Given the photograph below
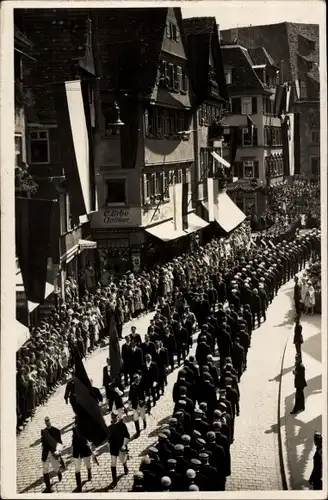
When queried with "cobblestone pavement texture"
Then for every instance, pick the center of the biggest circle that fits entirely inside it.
(297, 430)
(255, 457)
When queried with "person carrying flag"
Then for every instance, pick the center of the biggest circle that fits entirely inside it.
(118, 440)
(51, 446)
(81, 450)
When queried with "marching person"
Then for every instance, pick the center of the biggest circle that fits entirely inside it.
(51, 446)
(162, 361)
(107, 379)
(150, 378)
(118, 440)
(298, 337)
(316, 475)
(137, 402)
(70, 393)
(114, 394)
(81, 450)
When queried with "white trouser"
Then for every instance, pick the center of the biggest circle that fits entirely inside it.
(78, 461)
(140, 411)
(122, 457)
(55, 464)
(119, 411)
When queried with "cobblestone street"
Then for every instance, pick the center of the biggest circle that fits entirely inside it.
(256, 429)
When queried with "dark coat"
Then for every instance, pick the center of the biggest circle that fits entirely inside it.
(299, 377)
(161, 359)
(136, 362)
(298, 337)
(150, 375)
(117, 433)
(80, 446)
(106, 377)
(136, 394)
(97, 394)
(202, 351)
(211, 476)
(49, 442)
(148, 348)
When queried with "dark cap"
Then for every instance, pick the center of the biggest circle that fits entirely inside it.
(153, 449)
(210, 436)
(197, 434)
(171, 461)
(186, 438)
(162, 436)
(173, 421)
(203, 456)
(179, 448)
(196, 462)
(201, 442)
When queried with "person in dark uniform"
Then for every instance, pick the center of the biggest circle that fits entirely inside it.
(70, 394)
(264, 300)
(155, 467)
(162, 361)
(182, 464)
(176, 478)
(222, 440)
(316, 475)
(200, 479)
(202, 351)
(181, 338)
(136, 360)
(217, 459)
(118, 440)
(238, 358)
(188, 452)
(209, 472)
(126, 358)
(298, 337)
(51, 442)
(150, 378)
(81, 450)
(148, 347)
(137, 400)
(114, 395)
(299, 384)
(256, 307)
(170, 344)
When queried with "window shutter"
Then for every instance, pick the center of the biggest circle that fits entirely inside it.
(236, 105)
(177, 34)
(254, 105)
(170, 75)
(255, 136)
(256, 169)
(168, 29)
(146, 122)
(186, 82)
(179, 78)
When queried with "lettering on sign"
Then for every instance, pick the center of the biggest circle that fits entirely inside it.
(116, 216)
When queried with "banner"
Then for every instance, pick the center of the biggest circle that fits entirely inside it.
(178, 207)
(211, 201)
(172, 198)
(185, 192)
(33, 236)
(91, 421)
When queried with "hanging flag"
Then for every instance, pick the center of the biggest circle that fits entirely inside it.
(91, 421)
(173, 202)
(33, 238)
(114, 348)
(185, 191)
(250, 125)
(178, 207)
(210, 197)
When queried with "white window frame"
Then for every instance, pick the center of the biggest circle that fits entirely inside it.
(19, 136)
(179, 176)
(166, 184)
(118, 204)
(317, 132)
(246, 106)
(30, 140)
(248, 164)
(228, 76)
(146, 188)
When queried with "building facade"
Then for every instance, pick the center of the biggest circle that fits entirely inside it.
(144, 164)
(59, 78)
(295, 47)
(252, 79)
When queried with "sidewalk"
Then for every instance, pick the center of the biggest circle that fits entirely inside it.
(296, 431)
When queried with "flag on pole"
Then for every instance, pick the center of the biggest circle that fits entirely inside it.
(91, 421)
(114, 348)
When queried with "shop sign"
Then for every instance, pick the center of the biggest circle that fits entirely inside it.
(116, 217)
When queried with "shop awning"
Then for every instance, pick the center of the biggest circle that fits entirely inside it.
(87, 244)
(195, 223)
(228, 215)
(166, 231)
(22, 334)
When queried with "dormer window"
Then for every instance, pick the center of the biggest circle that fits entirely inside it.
(172, 31)
(228, 76)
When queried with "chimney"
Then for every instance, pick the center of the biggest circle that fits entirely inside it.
(281, 72)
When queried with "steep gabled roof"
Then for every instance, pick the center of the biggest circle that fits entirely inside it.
(130, 42)
(201, 38)
(283, 41)
(244, 76)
